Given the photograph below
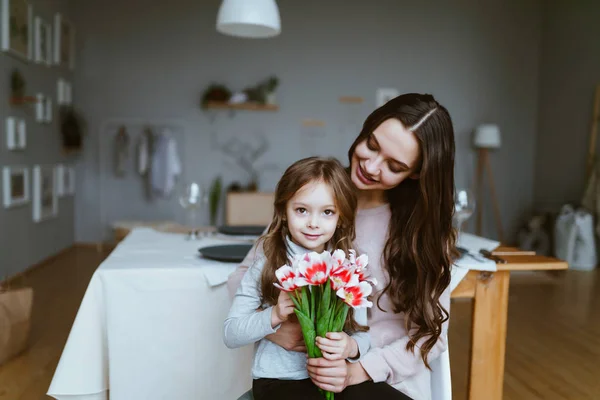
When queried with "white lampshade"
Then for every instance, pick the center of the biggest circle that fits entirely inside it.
(487, 136)
(249, 18)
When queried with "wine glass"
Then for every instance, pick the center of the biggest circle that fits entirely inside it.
(193, 198)
(464, 206)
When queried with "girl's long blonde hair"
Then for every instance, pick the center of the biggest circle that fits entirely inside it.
(299, 174)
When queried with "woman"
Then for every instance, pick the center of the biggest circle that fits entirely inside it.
(402, 165)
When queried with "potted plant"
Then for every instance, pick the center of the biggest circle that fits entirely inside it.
(270, 87)
(72, 128)
(215, 92)
(17, 84)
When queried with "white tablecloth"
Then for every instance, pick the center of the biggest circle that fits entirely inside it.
(150, 326)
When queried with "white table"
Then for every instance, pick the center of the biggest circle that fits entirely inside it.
(150, 326)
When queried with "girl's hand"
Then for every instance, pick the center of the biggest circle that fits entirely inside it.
(337, 346)
(282, 310)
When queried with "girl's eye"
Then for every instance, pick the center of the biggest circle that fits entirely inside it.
(329, 212)
(300, 210)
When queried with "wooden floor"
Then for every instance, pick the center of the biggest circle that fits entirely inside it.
(553, 340)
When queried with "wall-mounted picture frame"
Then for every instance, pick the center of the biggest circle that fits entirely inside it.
(65, 178)
(64, 92)
(43, 42)
(385, 95)
(70, 181)
(48, 110)
(16, 133)
(43, 109)
(64, 42)
(45, 200)
(16, 28)
(40, 108)
(15, 185)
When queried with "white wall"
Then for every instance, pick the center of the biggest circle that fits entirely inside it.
(152, 59)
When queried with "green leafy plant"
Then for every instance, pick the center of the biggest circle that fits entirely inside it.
(215, 92)
(72, 128)
(17, 84)
(271, 84)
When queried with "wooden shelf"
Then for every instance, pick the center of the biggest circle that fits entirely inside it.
(23, 100)
(242, 106)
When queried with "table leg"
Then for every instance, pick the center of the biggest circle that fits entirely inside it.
(488, 342)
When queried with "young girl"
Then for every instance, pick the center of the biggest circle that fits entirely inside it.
(314, 210)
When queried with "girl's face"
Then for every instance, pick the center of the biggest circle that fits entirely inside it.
(386, 158)
(312, 216)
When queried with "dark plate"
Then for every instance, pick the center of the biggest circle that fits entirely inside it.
(255, 230)
(226, 252)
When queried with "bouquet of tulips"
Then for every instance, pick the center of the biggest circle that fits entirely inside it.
(323, 287)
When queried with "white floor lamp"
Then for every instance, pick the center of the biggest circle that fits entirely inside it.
(487, 137)
(249, 18)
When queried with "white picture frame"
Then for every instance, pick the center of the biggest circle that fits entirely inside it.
(16, 133)
(45, 200)
(386, 94)
(15, 184)
(65, 180)
(60, 180)
(40, 108)
(70, 184)
(18, 41)
(43, 42)
(48, 110)
(64, 42)
(64, 92)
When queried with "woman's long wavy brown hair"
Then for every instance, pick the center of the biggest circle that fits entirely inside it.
(313, 169)
(421, 239)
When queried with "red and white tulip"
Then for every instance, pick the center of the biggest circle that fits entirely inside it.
(315, 267)
(289, 279)
(355, 293)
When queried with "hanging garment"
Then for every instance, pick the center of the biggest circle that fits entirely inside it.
(145, 152)
(121, 152)
(166, 165)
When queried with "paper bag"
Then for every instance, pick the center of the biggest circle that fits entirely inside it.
(15, 321)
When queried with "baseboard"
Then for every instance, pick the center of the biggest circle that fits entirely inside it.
(7, 281)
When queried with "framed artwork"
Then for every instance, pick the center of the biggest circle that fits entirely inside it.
(65, 180)
(385, 95)
(64, 92)
(48, 109)
(43, 42)
(45, 201)
(16, 133)
(64, 42)
(15, 182)
(43, 108)
(40, 108)
(16, 25)
(70, 181)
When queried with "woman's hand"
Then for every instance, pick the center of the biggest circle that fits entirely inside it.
(335, 375)
(337, 346)
(289, 336)
(330, 375)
